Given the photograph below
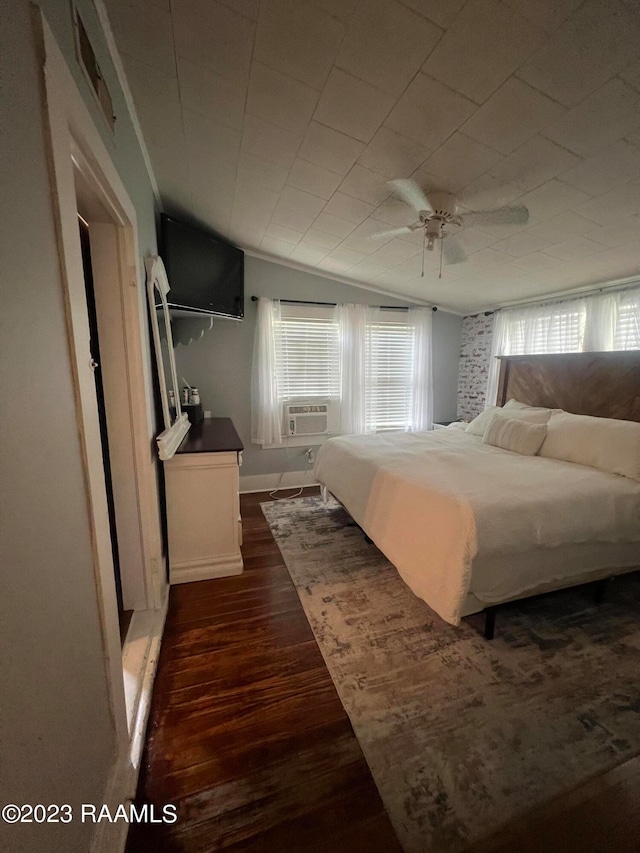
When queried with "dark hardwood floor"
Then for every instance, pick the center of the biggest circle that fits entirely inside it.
(247, 737)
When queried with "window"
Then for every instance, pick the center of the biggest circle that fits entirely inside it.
(627, 329)
(389, 374)
(554, 331)
(373, 367)
(307, 362)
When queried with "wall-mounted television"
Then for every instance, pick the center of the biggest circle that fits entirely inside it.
(206, 274)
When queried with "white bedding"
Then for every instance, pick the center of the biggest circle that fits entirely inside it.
(434, 501)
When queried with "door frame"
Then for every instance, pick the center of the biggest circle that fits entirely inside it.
(76, 148)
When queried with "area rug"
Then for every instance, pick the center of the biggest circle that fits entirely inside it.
(461, 734)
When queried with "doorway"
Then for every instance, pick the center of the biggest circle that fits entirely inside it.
(124, 616)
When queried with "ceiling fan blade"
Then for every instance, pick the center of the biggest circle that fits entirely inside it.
(412, 193)
(516, 215)
(452, 251)
(396, 232)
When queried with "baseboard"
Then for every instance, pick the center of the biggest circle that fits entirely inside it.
(186, 571)
(123, 780)
(269, 482)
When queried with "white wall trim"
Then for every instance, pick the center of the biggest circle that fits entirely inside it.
(140, 655)
(103, 17)
(269, 482)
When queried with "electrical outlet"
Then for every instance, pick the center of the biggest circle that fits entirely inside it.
(310, 455)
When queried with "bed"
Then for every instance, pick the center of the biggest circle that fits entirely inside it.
(469, 525)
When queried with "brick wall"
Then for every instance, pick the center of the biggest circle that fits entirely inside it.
(475, 355)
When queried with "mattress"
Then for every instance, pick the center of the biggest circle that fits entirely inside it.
(456, 516)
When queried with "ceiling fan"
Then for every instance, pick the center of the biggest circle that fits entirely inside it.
(439, 219)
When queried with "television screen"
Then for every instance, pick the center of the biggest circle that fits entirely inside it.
(205, 273)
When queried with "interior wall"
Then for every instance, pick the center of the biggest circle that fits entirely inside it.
(475, 357)
(58, 739)
(219, 364)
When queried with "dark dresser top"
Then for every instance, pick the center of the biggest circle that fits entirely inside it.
(212, 435)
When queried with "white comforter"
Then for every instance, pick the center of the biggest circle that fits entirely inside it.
(431, 501)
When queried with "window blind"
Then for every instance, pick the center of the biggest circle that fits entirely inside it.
(307, 355)
(627, 329)
(558, 331)
(389, 378)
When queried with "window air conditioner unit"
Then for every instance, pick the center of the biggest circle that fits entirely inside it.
(306, 419)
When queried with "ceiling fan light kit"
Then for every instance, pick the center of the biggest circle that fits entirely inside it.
(439, 218)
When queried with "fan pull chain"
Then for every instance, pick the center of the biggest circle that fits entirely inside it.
(424, 249)
(441, 247)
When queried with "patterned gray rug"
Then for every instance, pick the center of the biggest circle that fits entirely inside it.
(462, 734)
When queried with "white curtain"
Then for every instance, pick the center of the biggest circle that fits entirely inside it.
(421, 320)
(266, 417)
(597, 323)
(353, 323)
(600, 322)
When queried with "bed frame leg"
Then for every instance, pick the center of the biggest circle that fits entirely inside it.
(600, 589)
(489, 623)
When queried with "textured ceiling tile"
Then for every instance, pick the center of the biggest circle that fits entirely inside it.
(574, 249)
(341, 9)
(511, 116)
(282, 234)
(465, 62)
(619, 202)
(486, 193)
(157, 101)
(631, 75)
(211, 145)
(298, 39)
(352, 106)
(561, 227)
(329, 148)
(599, 120)
(313, 179)
(361, 239)
(307, 253)
(386, 44)
(296, 209)
(621, 231)
(523, 243)
(395, 213)
(458, 162)
(253, 171)
(212, 35)
(248, 8)
(270, 143)
(549, 14)
(348, 255)
(551, 198)
(333, 225)
(279, 99)
(349, 208)
(144, 32)
(392, 154)
(366, 185)
(440, 13)
(210, 94)
(617, 163)
(319, 238)
(536, 261)
(277, 248)
(536, 162)
(599, 40)
(429, 112)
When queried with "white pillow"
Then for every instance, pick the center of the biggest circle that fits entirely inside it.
(530, 415)
(514, 404)
(603, 443)
(515, 435)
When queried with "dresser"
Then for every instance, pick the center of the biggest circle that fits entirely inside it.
(203, 503)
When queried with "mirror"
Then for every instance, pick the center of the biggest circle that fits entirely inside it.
(176, 423)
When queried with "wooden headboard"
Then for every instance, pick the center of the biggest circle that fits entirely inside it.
(602, 384)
